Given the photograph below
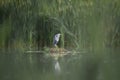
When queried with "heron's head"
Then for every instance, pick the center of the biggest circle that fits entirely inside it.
(59, 34)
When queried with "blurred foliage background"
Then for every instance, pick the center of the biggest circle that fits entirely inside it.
(84, 24)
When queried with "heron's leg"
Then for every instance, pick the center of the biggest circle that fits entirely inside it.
(56, 46)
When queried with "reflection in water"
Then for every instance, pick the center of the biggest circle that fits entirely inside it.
(84, 66)
(57, 67)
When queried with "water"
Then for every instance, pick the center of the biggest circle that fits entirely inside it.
(102, 65)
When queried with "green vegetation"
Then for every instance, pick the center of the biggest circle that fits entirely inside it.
(85, 24)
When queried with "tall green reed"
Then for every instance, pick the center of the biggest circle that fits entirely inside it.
(90, 25)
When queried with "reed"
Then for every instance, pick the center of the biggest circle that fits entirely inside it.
(84, 24)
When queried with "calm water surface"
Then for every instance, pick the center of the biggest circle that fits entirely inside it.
(102, 65)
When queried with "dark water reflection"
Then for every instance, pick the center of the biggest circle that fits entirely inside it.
(102, 65)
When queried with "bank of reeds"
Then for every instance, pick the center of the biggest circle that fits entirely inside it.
(84, 24)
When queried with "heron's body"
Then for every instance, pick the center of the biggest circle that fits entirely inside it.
(56, 39)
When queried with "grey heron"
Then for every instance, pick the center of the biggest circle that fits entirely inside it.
(56, 39)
